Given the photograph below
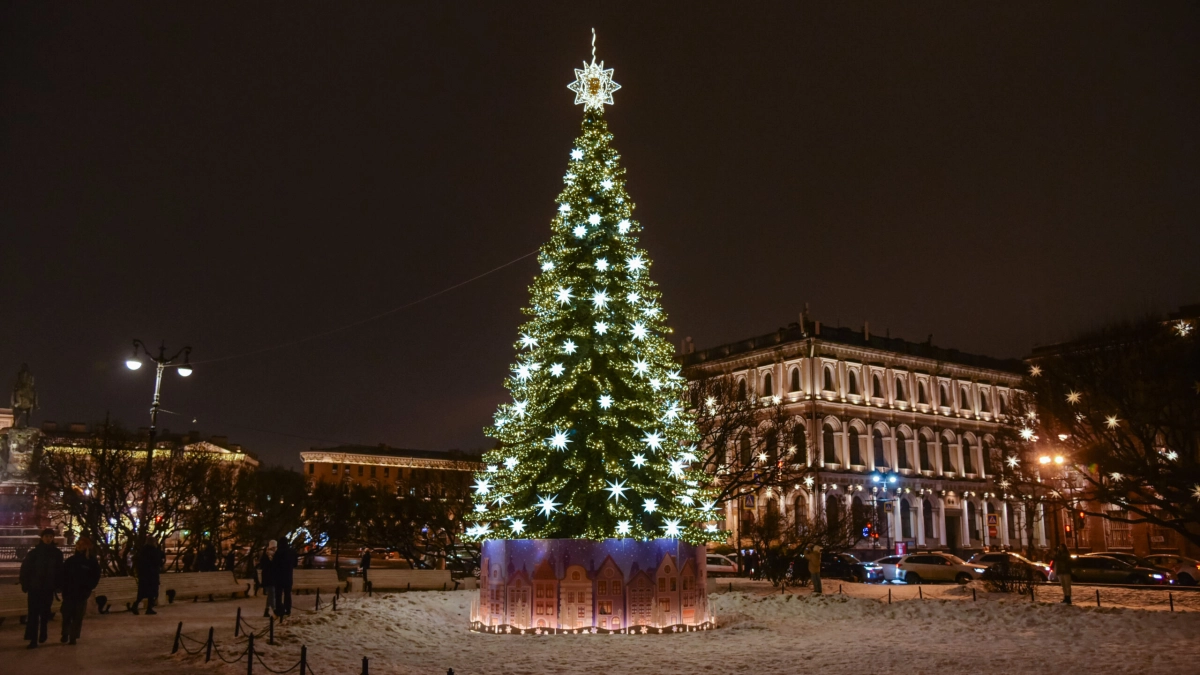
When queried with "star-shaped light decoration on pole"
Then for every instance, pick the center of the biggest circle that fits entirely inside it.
(593, 85)
(1034, 371)
(1013, 461)
(1112, 422)
(1182, 328)
(1073, 397)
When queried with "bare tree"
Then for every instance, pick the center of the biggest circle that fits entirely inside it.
(1112, 419)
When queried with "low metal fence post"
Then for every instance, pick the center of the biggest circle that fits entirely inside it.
(178, 630)
(271, 635)
(250, 656)
(303, 659)
(1097, 597)
(237, 625)
(208, 646)
(365, 670)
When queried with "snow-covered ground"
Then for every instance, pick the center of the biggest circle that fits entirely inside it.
(763, 631)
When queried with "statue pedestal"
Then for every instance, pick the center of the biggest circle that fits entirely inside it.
(540, 586)
(18, 490)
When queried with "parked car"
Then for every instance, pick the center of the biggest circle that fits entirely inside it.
(1041, 571)
(463, 560)
(718, 565)
(1131, 559)
(1186, 570)
(918, 568)
(1100, 569)
(846, 566)
(888, 567)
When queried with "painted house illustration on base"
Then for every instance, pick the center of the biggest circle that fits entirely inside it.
(570, 585)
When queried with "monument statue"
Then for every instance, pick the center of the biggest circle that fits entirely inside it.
(18, 443)
(24, 398)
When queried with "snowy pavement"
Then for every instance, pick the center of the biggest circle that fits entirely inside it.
(763, 631)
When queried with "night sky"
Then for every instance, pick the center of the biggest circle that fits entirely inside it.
(239, 177)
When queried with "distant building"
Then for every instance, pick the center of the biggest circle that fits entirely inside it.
(382, 465)
(867, 404)
(77, 437)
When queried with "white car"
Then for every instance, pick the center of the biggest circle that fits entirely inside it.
(718, 564)
(918, 568)
(890, 573)
(1186, 570)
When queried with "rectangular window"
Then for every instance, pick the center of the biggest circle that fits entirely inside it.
(571, 596)
(312, 468)
(616, 588)
(1118, 534)
(662, 585)
(372, 472)
(672, 583)
(605, 606)
(335, 468)
(602, 588)
(360, 470)
(664, 604)
(386, 470)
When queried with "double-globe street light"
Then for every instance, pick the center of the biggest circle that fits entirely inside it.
(161, 362)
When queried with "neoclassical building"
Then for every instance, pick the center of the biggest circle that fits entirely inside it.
(903, 429)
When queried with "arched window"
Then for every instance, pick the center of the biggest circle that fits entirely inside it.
(833, 513)
(993, 457)
(972, 520)
(772, 448)
(741, 394)
(877, 444)
(922, 393)
(947, 460)
(795, 383)
(964, 397)
(927, 518)
(877, 386)
(905, 520)
(856, 457)
(923, 454)
(902, 452)
(829, 445)
(900, 389)
(858, 513)
(1003, 401)
(767, 388)
(800, 507)
(1012, 524)
(983, 401)
(800, 441)
(851, 382)
(744, 449)
(829, 379)
(945, 400)
(968, 460)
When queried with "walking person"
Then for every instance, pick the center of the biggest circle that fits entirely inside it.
(189, 559)
(814, 567)
(41, 576)
(231, 559)
(366, 566)
(81, 573)
(284, 565)
(149, 567)
(206, 560)
(1062, 570)
(266, 567)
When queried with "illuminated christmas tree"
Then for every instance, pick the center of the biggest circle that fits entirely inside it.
(596, 442)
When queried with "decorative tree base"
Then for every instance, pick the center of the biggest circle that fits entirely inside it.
(565, 586)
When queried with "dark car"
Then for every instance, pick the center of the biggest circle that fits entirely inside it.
(1098, 569)
(1041, 571)
(1132, 559)
(846, 566)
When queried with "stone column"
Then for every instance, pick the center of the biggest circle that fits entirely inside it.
(942, 521)
(919, 514)
(1040, 528)
(1004, 524)
(983, 531)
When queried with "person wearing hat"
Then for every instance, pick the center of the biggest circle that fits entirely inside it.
(41, 576)
(814, 567)
(81, 573)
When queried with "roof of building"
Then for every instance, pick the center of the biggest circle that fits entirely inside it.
(853, 337)
(388, 451)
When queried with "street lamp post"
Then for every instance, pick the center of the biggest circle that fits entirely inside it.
(161, 362)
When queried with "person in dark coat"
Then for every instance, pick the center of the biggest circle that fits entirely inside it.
(230, 559)
(266, 567)
(366, 565)
(149, 567)
(283, 565)
(189, 559)
(81, 573)
(41, 576)
(206, 560)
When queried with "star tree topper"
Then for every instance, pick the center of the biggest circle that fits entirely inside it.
(593, 85)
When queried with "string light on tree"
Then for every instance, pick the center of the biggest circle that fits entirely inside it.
(595, 340)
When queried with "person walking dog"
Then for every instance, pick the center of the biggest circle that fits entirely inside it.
(1062, 570)
(81, 573)
(41, 576)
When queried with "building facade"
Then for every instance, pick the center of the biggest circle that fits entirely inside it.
(381, 465)
(885, 426)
